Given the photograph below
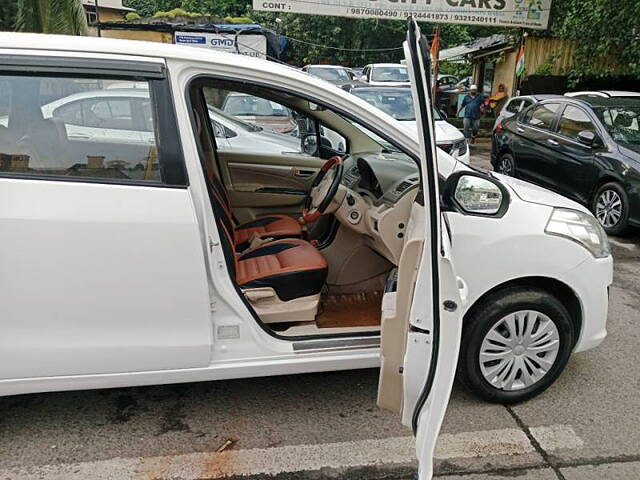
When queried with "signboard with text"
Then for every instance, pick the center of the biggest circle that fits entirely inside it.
(499, 13)
(251, 45)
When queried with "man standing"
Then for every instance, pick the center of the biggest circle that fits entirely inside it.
(471, 122)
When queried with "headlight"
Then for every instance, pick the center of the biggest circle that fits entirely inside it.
(580, 227)
(461, 146)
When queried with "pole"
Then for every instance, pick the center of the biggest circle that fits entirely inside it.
(98, 18)
(436, 68)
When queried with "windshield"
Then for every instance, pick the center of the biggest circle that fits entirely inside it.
(621, 121)
(331, 74)
(220, 116)
(391, 73)
(395, 102)
(247, 105)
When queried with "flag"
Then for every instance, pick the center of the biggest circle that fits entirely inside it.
(520, 62)
(435, 46)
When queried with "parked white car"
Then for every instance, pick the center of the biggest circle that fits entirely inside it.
(397, 102)
(386, 75)
(93, 117)
(187, 264)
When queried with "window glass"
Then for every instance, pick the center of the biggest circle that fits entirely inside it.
(573, 121)
(284, 131)
(337, 74)
(392, 73)
(513, 106)
(77, 127)
(542, 116)
(526, 104)
(621, 118)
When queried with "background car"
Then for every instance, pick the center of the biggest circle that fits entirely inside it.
(516, 104)
(586, 148)
(397, 102)
(340, 76)
(386, 74)
(260, 111)
(602, 93)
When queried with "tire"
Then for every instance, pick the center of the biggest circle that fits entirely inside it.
(611, 203)
(490, 315)
(506, 165)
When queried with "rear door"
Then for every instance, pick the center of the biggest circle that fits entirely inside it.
(102, 263)
(422, 319)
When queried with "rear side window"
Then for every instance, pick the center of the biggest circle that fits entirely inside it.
(573, 121)
(513, 106)
(542, 116)
(78, 127)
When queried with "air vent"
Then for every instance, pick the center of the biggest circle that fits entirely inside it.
(403, 186)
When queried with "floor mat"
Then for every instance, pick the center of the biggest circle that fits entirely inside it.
(350, 310)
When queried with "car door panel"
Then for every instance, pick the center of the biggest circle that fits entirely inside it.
(268, 183)
(90, 276)
(432, 321)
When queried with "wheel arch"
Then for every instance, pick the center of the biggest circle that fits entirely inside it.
(560, 290)
(607, 177)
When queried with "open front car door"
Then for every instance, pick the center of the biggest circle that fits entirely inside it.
(422, 311)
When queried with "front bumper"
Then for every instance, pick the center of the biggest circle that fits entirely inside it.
(591, 281)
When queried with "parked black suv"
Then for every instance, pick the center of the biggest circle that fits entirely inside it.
(587, 149)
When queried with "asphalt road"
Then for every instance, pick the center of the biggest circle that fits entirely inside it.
(586, 426)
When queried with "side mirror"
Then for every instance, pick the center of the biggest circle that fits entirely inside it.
(587, 137)
(473, 193)
(309, 144)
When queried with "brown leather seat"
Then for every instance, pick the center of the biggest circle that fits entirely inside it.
(292, 267)
(270, 226)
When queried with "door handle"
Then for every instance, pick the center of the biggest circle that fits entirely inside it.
(520, 130)
(303, 173)
(552, 142)
(78, 136)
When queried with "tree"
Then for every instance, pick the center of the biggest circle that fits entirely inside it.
(51, 16)
(8, 10)
(606, 34)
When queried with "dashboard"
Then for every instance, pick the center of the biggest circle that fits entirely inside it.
(380, 190)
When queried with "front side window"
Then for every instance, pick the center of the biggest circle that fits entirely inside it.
(542, 116)
(573, 121)
(77, 127)
(390, 74)
(278, 130)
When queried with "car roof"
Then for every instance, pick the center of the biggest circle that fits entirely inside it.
(380, 88)
(133, 49)
(603, 93)
(386, 65)
(325, 66)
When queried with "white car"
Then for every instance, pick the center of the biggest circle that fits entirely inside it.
(93, 117)
(186, 267)
(397, 102)
(603, 93)
(386, 75)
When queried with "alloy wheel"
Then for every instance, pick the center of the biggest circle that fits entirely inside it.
(609, 208)
(506, 165)
(519, 350)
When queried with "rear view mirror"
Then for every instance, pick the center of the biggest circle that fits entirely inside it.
(587, 137)
(473, 193)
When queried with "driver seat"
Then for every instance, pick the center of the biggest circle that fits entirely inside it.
(274, 226)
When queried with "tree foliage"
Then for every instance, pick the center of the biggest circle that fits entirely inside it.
(51, 16)
(8, 11)
(606, 34)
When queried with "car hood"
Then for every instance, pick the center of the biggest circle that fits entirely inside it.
(445, 132)
(531, 193)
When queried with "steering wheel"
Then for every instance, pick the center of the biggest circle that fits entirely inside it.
(324, 188)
